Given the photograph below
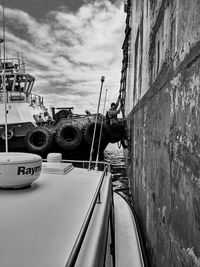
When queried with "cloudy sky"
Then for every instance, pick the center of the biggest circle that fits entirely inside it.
(68, 45)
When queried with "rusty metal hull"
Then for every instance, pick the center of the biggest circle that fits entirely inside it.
(163, 109)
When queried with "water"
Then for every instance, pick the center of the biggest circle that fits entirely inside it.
(115, 157)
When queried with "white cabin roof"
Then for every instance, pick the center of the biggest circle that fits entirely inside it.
(39, 225)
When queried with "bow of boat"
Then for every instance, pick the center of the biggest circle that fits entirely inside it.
(67, 217)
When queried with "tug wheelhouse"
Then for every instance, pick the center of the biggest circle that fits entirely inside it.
(19, 84)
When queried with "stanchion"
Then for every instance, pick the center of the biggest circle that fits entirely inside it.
(95, 126)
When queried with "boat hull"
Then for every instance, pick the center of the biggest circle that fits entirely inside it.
(82, 151)
(162, 107)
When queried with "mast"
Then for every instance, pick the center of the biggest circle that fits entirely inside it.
(97, 157)
(4, 81)
(95, 126)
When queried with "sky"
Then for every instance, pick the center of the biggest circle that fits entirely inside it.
(68, 45)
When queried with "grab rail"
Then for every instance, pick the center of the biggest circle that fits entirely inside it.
(85, 163)
(79, 241)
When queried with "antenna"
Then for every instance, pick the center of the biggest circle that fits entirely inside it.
(97, 157)
(4, 80)
(95, 126)
(21, 48)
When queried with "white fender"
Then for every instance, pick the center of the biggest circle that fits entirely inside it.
(19, 169)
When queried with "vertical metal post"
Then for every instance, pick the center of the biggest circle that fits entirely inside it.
(4, 82)
(91, 150)
(97, 158)
(112, 227)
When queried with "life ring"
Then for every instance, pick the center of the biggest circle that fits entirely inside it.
(39, 139)
(88, 131)
(69, 137)
(10, 135)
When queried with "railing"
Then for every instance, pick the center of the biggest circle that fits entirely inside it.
(79, 241)
(35, 99)
(96, 200)
(84, 164)
(15, 64)
(13, 97)
(22, 97)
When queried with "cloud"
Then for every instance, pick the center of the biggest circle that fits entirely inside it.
(69, 52)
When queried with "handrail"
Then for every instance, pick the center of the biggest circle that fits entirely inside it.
(4, 80)
(105, 164)
(79, 241)
(84, 162)
(17, 64)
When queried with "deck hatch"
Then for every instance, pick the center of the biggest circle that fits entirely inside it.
(56, 167)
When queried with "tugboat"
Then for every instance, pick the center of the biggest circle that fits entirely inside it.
(31, 128)
(24, 109)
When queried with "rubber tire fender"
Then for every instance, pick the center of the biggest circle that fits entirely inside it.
(69, 137)
(88, 130)
(39, 139)
(115, 133)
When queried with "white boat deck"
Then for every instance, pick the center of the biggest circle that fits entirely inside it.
(39, 225)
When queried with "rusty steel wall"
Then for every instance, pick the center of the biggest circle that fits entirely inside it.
(164, 151)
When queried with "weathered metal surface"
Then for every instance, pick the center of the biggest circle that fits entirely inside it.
(165, 170)
(164, 156)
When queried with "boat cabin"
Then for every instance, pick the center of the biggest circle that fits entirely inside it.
(18, 84)
(66, 217)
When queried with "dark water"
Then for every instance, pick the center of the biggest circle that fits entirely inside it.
(115, 157)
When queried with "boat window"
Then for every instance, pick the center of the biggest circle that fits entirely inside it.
(8, 65)
(18, 97)
(16, 67)
(18, 88)
(20, 83)
(29, 86)
(9, 83)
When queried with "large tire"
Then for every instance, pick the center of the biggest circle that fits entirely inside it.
(69, 137)
(116, 133)
(39, 140)
(88, 130)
